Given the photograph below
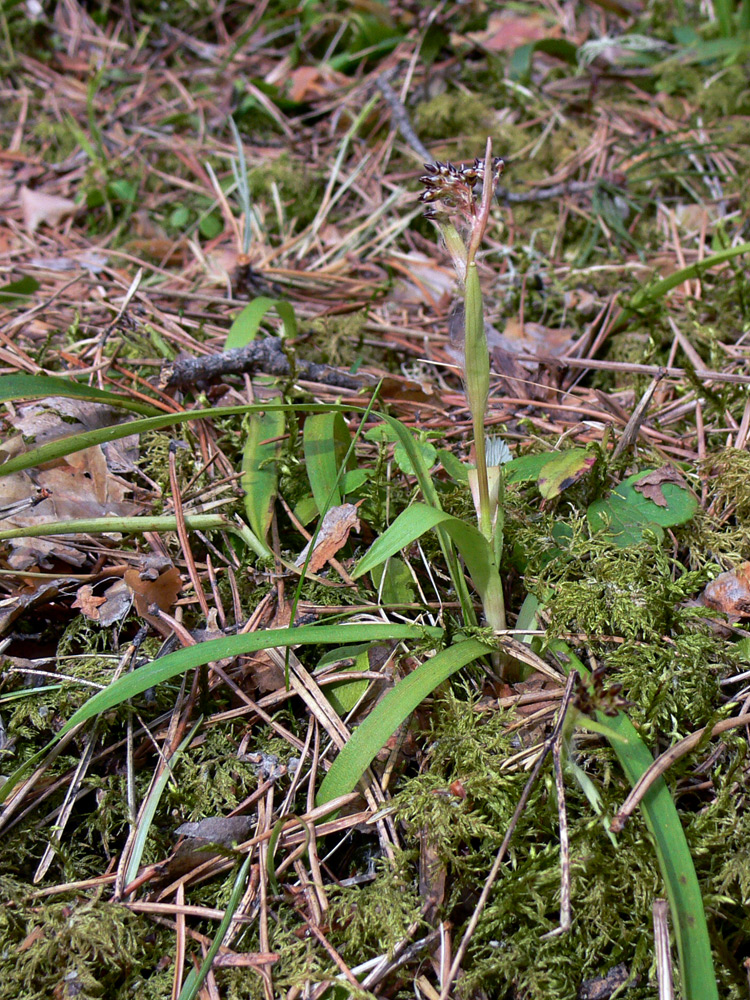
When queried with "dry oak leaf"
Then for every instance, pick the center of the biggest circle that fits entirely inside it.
(651, 485)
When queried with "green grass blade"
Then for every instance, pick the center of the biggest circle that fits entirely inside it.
(77, 442)
(369, 737)
(651, 293)
(39, 386)
(173, 664)
(163, 669)
(673, 854)
(149, 809)
(195, 980)
(259, 476)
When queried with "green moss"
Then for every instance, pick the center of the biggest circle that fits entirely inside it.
(88, 949)
(454, 115)
(338, 340)
(300, 189)
(372, 919)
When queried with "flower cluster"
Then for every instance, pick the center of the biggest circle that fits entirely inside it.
(450, 189)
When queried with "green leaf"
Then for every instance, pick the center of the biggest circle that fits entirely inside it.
(344, 695)
(369, 737)
(11, 294)
(427, 451)
(394, 582)
(325, 442)
(659, 289)
(353, 480)
(148, 811)
(173, 664)
(563, 470)
(210, 225)
(527, 467)
(246, 325)
(673, 854)
(259, 476)
(179, 662)
(401, 454)
(196, 978)
(626, 512)
(102, 435)
(520, 62)
(123, 190)
(427, 486)
(40, 386)
(476, 551)
(456, 469)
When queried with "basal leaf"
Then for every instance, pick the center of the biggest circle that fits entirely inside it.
(325, 441)
(369, 737)
(259, 469)
(626, 512)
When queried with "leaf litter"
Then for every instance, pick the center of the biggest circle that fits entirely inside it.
(624, 164)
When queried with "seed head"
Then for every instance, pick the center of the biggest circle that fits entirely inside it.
(450, 190)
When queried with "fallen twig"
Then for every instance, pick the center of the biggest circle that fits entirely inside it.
(266, 355)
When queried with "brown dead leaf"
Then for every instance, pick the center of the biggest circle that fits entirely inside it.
(162, 591)
(730, 592)
(79, 486)
(333, 534)
(424, 280)
(651, 485)
(533, 338)
(38, 207)
(305, 83)
(87, 602)
(505, 31)
(107, 608)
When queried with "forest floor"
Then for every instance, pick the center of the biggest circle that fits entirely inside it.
(240, 765)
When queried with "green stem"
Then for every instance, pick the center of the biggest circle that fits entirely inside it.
(477, 369)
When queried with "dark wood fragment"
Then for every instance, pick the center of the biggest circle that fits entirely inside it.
(265, 355)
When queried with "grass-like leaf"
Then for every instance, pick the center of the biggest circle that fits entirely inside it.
(196, 978)
(40, 386)
(369, 737)
(673, 854)
(475, 549)
(124, 525)
(426, 485)
(87, 439)
(130, 685)
(150, 805)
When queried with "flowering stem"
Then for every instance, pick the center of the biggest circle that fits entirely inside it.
(476, 354)
(477, 388)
